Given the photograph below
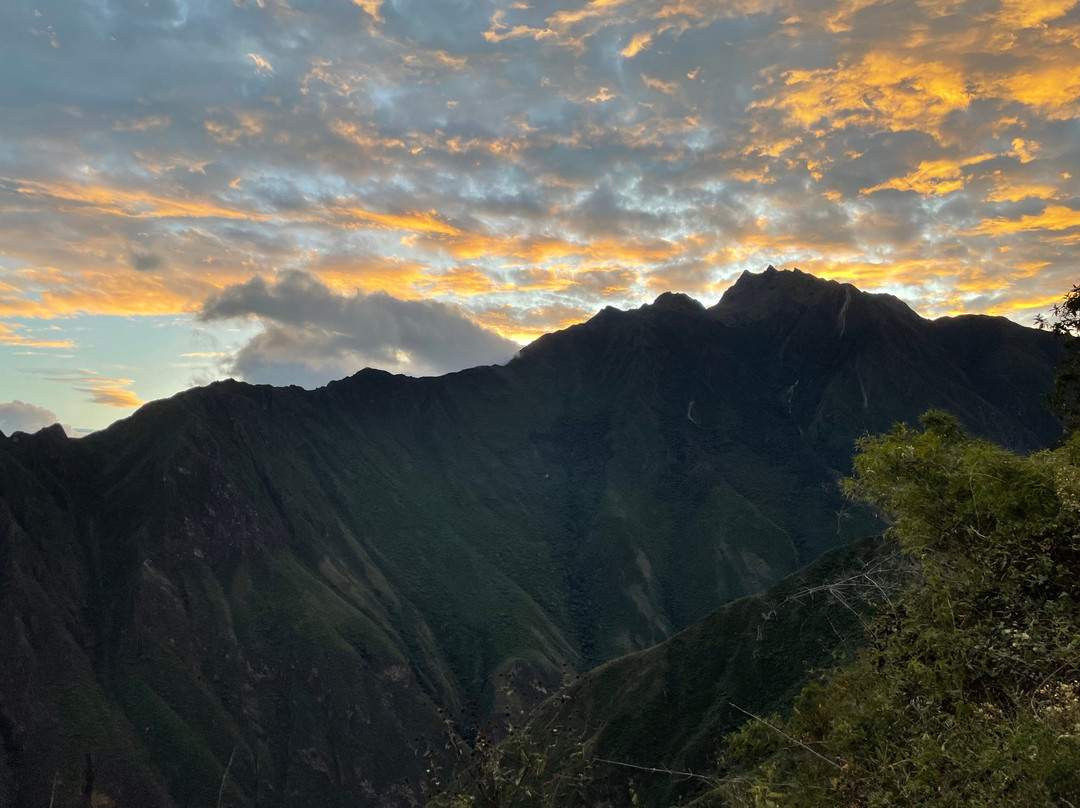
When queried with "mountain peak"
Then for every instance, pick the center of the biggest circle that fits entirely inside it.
(778, 293)
(677, 301)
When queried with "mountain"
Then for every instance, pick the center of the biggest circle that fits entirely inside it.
(277, 592)
(650, 717)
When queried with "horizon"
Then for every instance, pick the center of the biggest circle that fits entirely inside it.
(74, 432)
(288, 192)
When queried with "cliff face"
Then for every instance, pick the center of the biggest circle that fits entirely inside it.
(301, 580)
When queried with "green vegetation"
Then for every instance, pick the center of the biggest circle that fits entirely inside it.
(506, 767)
(1065, 400)
(968, 692)
(965, 690)
(627, 732)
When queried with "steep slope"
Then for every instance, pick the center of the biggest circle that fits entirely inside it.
(300, 580)
(650, 717)
(849, 362)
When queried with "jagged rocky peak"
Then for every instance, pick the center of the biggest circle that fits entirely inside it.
(776, 293)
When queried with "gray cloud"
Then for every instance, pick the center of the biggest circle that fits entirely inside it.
(312, 334)
(145, 262)
(19, 416)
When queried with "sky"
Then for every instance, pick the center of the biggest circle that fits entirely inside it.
(286, 191)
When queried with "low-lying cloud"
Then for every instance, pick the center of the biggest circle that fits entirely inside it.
(312, 334)
(20, 416)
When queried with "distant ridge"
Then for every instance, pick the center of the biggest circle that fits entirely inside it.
(308, 577)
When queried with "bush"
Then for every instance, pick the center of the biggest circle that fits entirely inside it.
(968, 692)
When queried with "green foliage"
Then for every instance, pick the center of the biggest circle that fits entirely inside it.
(187, 766)
(1065, 400)
(515, 771)
(968, 691)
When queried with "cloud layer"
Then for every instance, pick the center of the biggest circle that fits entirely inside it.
(312, 335)
(527, 162)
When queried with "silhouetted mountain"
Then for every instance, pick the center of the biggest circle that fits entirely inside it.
(307, 577)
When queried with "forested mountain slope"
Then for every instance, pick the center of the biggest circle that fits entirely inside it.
(299, 580)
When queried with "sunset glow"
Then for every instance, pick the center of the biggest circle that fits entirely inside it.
(189, 192)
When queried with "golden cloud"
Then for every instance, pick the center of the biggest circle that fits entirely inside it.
(262, 67)
(460, 282)
(1053, 217)
(128, 203)
(638, 43)
(932, 177)
(373, 8)
(110, 392)
(1028, 14)
(882, 90)
(1007, 189)
(594, 8)
(921, 78)
(541, 250)
(113, 291)
(523, 326)
(346, 215)
(9, 335)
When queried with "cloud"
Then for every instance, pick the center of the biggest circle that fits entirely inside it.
(262, 67)
(145, 262)
(312, 334)
(19, 416)
(110, 392)
(638, 42)
(16, 334)
(524, 162)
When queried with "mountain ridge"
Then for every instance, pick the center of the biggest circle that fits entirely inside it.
(308, 577)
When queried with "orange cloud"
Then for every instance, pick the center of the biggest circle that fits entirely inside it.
(262, 67)
(1024, 150)
(499, 31)
(540, 250)
(524, 326)
(1008, 190)
(916, 82)
(101, 389)
(361, 135)
(1052, 88)
(112, 291)
(128, 203)
(932, 177)
(638, 43)
(140, 204)
(373, 8)
(882, 90)
(1028, 14)
(874, 275)
(460, 281)
(345, 215)
(1024, 303)
(9, 335)
(1053, 217)
(402, 279)
(594, 8)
